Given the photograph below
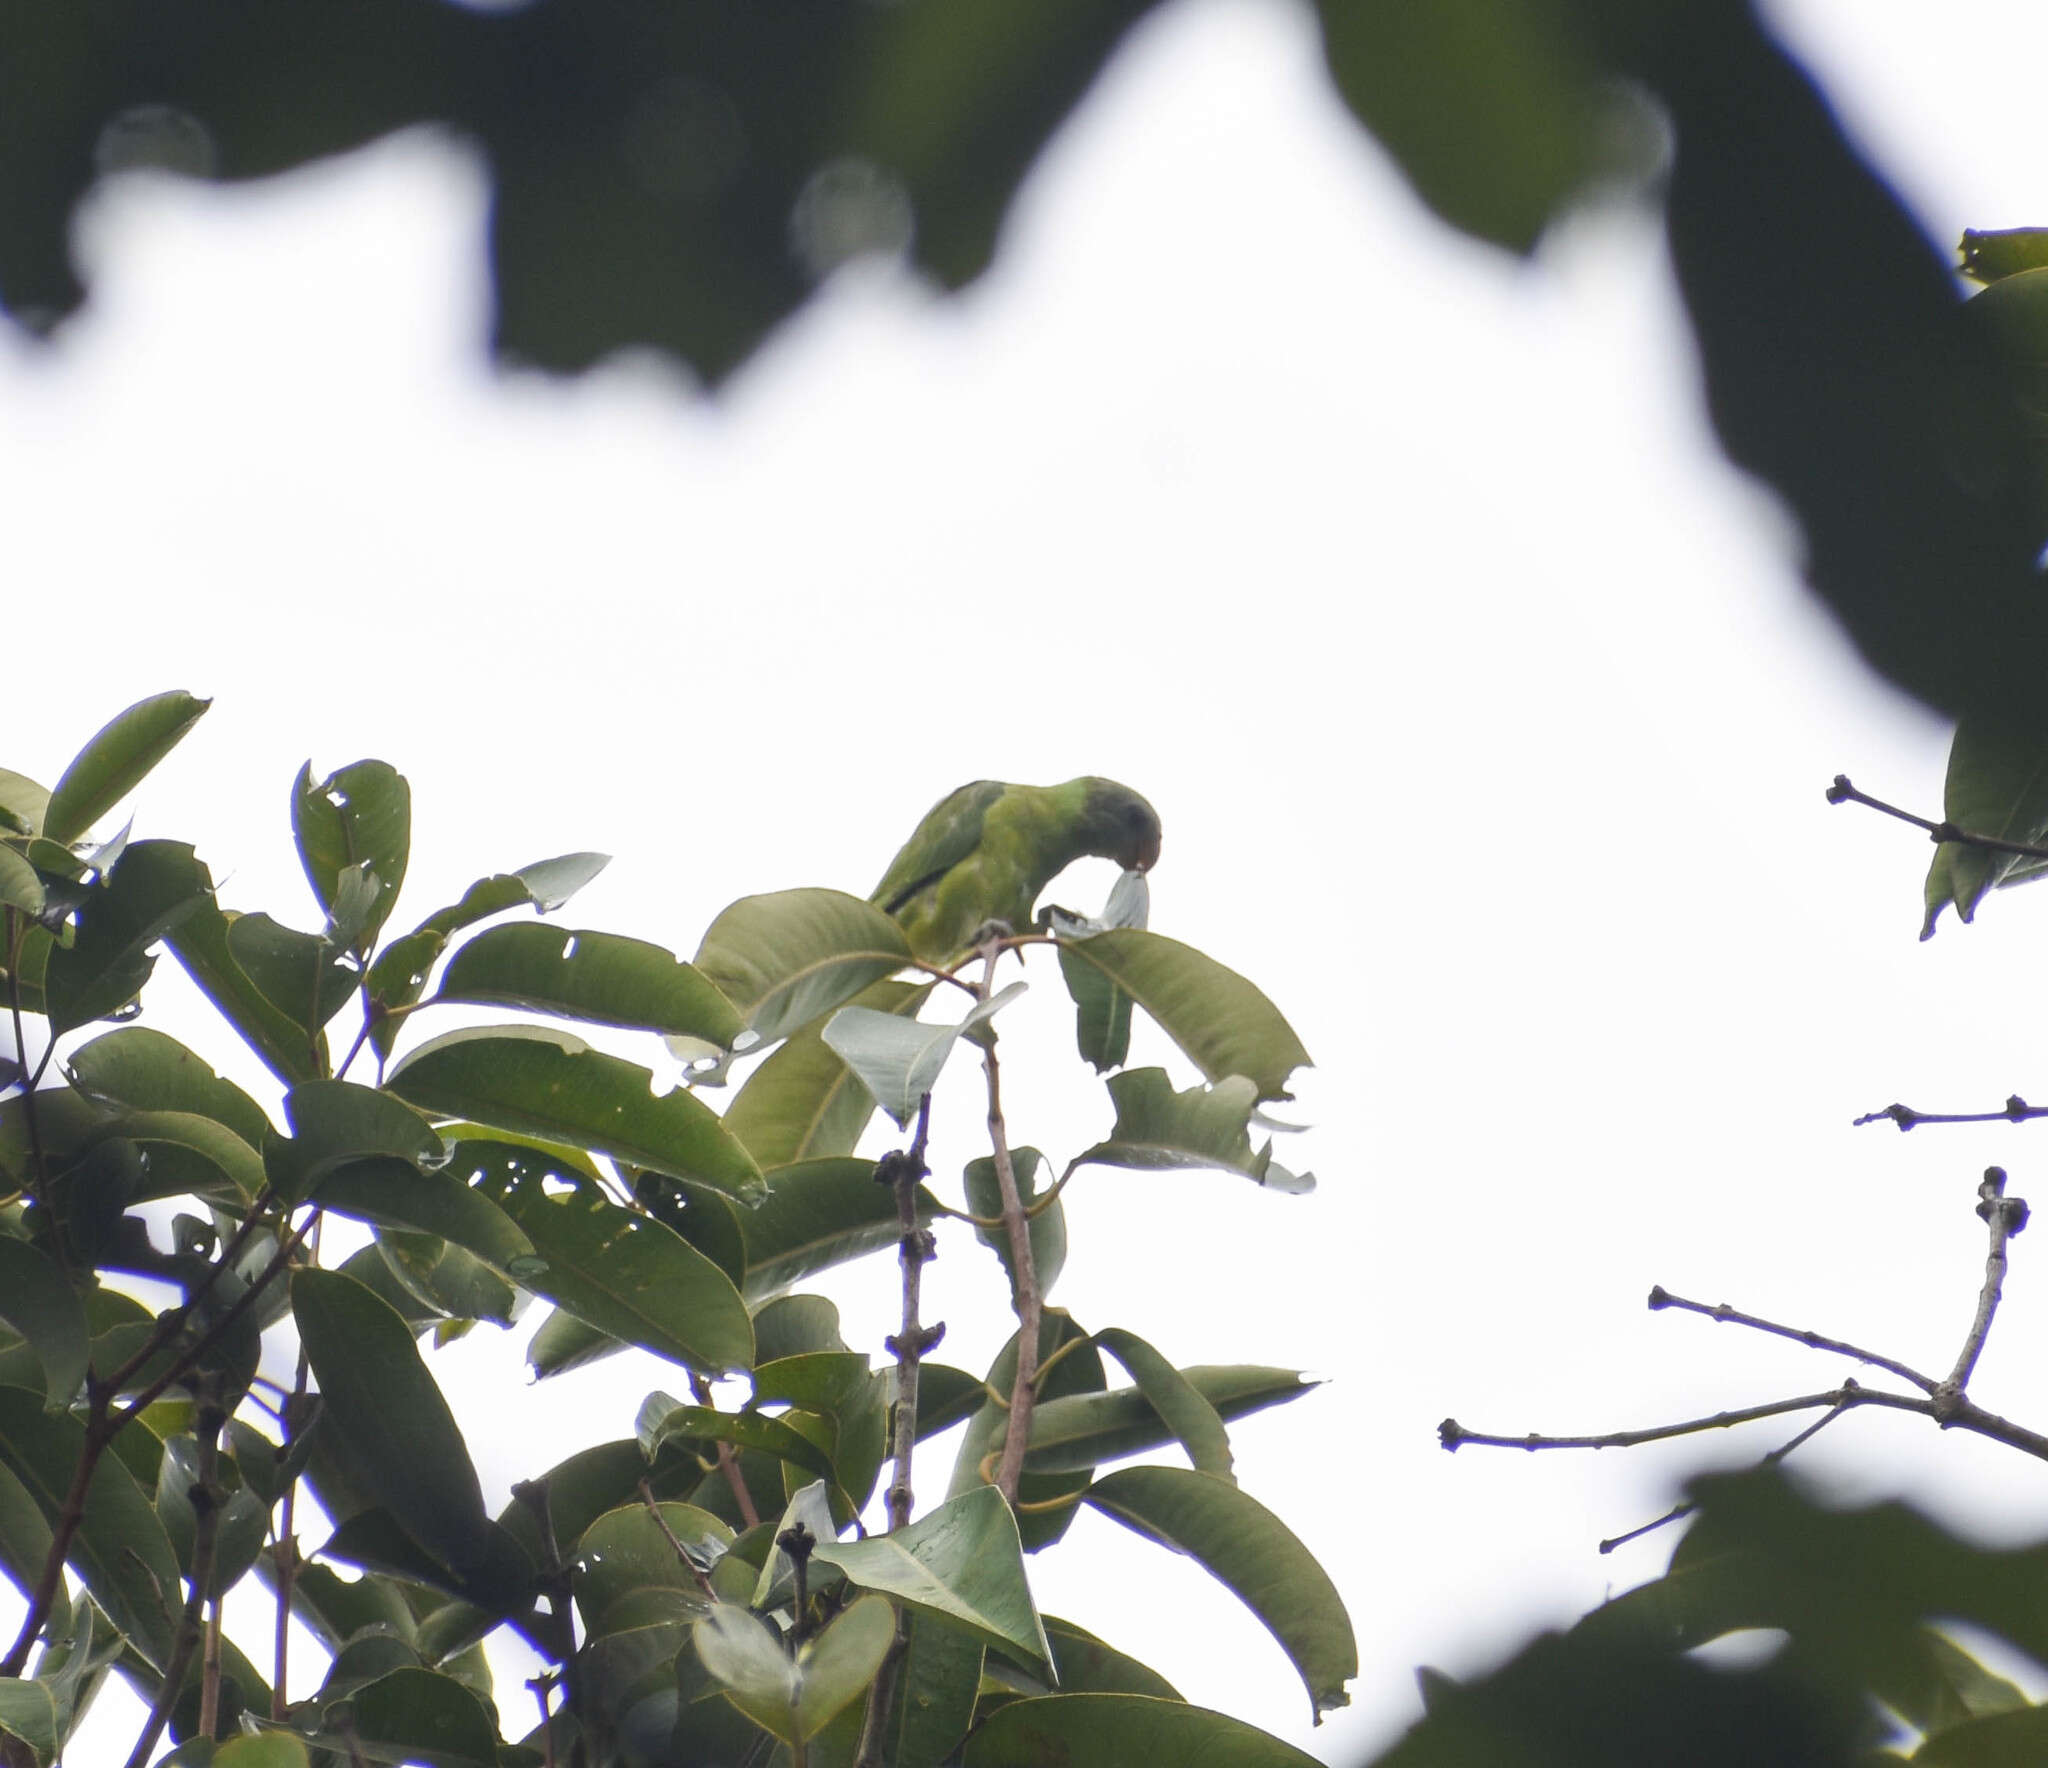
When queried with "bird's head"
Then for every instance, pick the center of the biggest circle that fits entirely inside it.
(1121, 825)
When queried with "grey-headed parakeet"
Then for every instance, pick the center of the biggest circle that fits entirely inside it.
(984, 852)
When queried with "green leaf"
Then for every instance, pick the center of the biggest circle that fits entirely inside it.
(562, 1342)
(899, 1060)
(663, 1419)
(201, 943)
(120, 1550)
(626, 1571)
(1247, 1548)
(37, 1300)
(20, 887)
(399, 976)
(376, 1394)
(188, 1155)
(550, 1084)
(1225, 1025)
(29, 1711)
(624, 1273)
(423, 1717)
(1158, 1129)
(358, 820)
(1077, 1431)
(962, 1562)
(1178, 1402)
(790, 957)
(1102, 1013)
(935, 1699)
(1113, 1730)
(303, 976)
(23, 803)
(142, 1068)
(109, 767)
(25, 1541)
(1087, 1666)
(2002, 252)
(817, 1214)
(796, 1698)
(600, 977)
(335, 1122)
(1997, 786)
(1048, 1228)
(803, 1102)
(156, 885)
(398, 1194)
(447, 1279)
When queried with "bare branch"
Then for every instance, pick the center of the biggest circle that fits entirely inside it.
(1842, 792)
(2004, 1216)
(1025, 1295)
(2015, 1110)
(1660, 1297)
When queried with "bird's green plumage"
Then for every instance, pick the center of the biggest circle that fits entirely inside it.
(985, 852)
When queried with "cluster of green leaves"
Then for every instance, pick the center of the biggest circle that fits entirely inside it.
(164, 1457)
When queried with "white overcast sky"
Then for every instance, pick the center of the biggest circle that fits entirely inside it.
(1486, 718)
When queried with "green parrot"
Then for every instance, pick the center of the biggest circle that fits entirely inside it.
(984, 852)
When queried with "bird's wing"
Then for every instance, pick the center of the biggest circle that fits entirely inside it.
(951, 830)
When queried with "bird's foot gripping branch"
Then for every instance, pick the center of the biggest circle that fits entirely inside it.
(749, 1573)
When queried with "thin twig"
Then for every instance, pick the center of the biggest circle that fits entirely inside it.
(2015, 1110)
(683, 1555)
(1454, 1436)
(1688, 1507)
(1842, 792)
(1024, 1292)
(728, 1462)
(1660, 1297)
(2004, 1216)
(1967, 1416)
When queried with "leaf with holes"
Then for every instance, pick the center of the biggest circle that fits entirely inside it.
(623, 1273)
(547, 1083)
(601, 977)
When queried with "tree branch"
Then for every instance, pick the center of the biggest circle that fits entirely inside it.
(1024, 1292)
(1688, 1507)
(2016, 1110)
(901, 1171)
(1842, 792)
(1660, 1297)
(2004, 1216)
